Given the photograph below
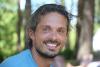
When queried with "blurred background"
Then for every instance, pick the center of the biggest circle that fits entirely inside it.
(84, 32)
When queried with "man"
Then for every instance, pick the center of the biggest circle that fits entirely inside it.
(47, 33)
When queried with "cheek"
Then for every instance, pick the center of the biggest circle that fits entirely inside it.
(43, 36)
(63, 38)
(39, 37)
(63, 42)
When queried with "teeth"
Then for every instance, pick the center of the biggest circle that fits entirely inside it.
(52, 45)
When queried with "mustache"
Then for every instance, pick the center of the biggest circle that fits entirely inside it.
(51, 41)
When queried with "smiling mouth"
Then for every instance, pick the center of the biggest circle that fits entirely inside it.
(52, 46)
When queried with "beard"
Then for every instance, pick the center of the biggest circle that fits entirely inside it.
(48, 53)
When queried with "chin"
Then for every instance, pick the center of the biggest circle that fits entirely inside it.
(48, 54)
(51, 54)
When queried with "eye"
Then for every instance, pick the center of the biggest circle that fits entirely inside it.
(61, 31)
(46, 29)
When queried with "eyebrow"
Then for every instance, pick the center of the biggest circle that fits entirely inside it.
(64, 28)
(45, 26)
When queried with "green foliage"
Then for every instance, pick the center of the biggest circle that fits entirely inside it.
(96, 27)
(67, 54)
(72, 38)
(8, 19)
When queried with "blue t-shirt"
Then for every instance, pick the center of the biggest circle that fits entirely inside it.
(23, 59)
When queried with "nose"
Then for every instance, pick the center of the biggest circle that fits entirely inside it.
(54, 36)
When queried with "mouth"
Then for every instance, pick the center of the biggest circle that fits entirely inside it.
(52, 46)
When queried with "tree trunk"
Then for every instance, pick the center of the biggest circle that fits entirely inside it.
(27, 16)
(19, 23)
(84, 27)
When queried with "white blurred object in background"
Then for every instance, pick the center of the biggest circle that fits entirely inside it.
(94, 64)
(96, 41)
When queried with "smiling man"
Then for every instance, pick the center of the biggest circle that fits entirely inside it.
(47, 34)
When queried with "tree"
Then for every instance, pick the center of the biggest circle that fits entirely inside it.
(19, 23)
(27, 15)
(84, 27)
(97, 12)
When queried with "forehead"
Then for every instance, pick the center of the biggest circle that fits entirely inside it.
(53, 19)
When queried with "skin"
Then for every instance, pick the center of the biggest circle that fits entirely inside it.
(49, 38)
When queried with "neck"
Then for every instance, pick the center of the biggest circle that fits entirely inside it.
(40, 60)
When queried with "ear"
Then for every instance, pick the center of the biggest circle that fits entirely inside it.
(31, 34)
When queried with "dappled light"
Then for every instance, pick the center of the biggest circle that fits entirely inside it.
(82, 47)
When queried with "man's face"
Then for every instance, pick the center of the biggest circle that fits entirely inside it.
(50, 34)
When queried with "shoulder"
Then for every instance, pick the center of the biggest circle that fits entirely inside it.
(19, 59)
